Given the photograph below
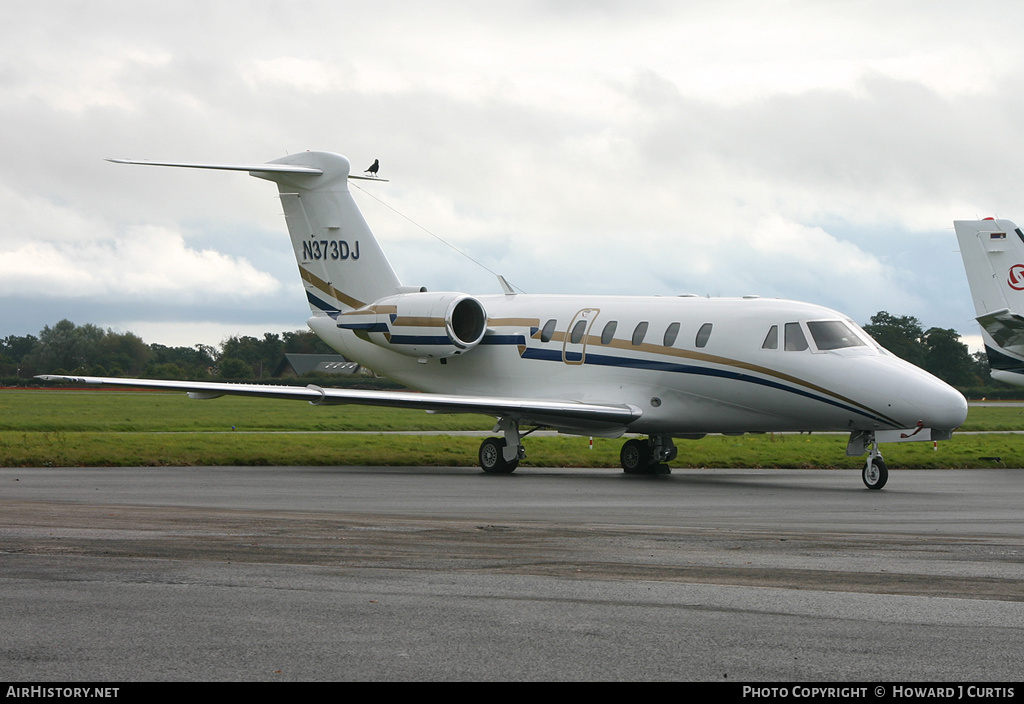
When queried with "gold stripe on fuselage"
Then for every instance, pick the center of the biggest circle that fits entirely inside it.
(514, 322)
(410, 321)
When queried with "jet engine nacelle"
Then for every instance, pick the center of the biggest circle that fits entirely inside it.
(420, 324)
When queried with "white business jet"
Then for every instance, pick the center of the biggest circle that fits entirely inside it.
(662, 367)
(993, 255)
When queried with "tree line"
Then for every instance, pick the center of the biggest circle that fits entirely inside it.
(67, 348)
(88, 350)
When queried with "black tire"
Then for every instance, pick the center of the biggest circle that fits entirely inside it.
(635, 457)
(875, 473)
(492, 457)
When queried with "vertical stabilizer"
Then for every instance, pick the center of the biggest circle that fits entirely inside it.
(993, 255)
(341, 264)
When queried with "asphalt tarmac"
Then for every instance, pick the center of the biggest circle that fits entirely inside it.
(427, 574)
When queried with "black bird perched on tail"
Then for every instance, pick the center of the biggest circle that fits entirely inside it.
(373, 168)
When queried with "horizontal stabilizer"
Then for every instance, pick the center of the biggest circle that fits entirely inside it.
(251, 168)
(265, 168)
(1005, 327)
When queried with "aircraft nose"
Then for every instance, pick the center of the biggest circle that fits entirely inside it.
(938, 404)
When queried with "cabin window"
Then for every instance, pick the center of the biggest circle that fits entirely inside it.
(771, 340)
(702, 335)
(671, 333)
(833, 335)
(639, 332)
(577, 332)
(609, 332)
(795, 340)
(548, 330)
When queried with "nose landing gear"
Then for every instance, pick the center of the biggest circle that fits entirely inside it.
(875, 473)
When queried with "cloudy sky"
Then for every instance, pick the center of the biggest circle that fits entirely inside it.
(808, 150)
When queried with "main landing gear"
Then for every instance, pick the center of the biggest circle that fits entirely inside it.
(502, 455)
(492, 457)
(650, 456)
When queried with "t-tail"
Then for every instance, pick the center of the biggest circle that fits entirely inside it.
(341, 264)
(349, 283)
(993, 256)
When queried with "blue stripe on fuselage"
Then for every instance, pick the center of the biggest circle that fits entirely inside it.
(490, 339)
(677, 368)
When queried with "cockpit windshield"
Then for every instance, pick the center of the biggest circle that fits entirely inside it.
(833, 335)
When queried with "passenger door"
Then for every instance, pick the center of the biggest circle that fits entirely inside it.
(574, 347)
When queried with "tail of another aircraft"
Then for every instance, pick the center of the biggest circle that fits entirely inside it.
(341, 264)
(993, 256)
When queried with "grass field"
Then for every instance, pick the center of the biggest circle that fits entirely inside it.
(135, 428)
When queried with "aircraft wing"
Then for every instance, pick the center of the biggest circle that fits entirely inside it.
(567, 415)
(1005, 327)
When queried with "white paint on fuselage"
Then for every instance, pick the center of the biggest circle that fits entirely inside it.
(731, 384)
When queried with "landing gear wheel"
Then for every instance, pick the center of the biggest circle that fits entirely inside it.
(492, 457)
(635, 457)
(875, 473)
